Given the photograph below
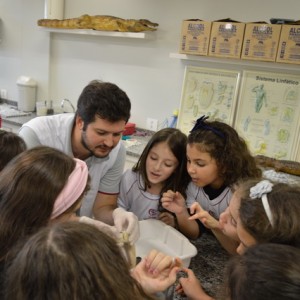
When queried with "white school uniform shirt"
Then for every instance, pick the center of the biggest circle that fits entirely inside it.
(133, 198)
(55, 131)
(215, 206)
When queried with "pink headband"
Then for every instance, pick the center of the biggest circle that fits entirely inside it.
(72, 190)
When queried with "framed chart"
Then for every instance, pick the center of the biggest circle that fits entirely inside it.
(210, 92)
(268, 113)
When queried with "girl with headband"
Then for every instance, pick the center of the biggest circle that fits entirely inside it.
(40, 186)
(259, 212)
(217, 157)
(264, 212)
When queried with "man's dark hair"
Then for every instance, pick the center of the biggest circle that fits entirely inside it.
(104, 99)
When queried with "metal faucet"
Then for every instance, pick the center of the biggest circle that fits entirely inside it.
(67, 100)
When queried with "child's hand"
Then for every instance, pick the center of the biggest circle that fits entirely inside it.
(191, 287)
(173, 201)
(156, 272)
(206, 219)
(167, 218)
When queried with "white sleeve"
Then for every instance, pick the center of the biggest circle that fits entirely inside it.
(29, 136)
(122, 198)
(110, 182)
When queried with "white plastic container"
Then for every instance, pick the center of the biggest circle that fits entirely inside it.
(27, 93)
(54, 9)
(155, 234)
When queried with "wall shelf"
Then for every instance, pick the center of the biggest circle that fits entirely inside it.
(239, 62)
(139, 35)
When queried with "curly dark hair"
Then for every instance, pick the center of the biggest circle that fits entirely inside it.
(230, 151)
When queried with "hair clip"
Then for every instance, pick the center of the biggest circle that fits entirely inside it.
(263, 187)
(200, 124)
(260, 190)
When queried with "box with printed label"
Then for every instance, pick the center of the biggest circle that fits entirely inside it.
(226, 38)
(289, 44)
(195, 37)
(261, 41)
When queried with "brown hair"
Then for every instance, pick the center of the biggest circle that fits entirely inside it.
(75, 261)
(176, 141)
(264, 271)
(105, 100)
(29, 186)
(10, 146)
(284, 202)
(230, 151)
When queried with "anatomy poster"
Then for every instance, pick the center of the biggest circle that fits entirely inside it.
(210, 92)
(268, 113)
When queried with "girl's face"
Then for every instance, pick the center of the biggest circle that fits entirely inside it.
(229, 218)
(202, 168)
(232, 226)
(246, 239)
(160, 163)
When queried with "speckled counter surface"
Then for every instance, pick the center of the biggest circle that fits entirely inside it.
(209, 263)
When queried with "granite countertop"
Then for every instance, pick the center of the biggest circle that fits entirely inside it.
(14, 120)
(209, 264)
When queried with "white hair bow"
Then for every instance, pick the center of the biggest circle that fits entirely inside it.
(260, 190)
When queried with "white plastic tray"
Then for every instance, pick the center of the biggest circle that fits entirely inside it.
(155, 234)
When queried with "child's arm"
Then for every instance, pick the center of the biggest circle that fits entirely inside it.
(210, 222)
(191, 287)
(174, 202)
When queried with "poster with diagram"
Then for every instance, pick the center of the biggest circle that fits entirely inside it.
(268, 113)
(210, 92)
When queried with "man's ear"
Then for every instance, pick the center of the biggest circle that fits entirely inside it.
(79, 122)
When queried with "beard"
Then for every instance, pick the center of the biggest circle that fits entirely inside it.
(85, 144)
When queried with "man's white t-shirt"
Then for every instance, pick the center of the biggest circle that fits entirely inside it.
(55, 131)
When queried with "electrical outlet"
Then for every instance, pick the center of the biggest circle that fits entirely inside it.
(152, 124)
(3, 94)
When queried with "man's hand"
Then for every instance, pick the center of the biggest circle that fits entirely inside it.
(109, 230)
(128, 222)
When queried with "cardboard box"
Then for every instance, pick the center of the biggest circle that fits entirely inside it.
(226, 38)
(195, 37)
(261, 41)
(289, 44)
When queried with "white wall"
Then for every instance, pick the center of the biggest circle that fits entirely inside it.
(63, 64)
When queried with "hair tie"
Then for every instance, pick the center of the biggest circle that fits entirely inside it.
(200, 124)
(72, 190)
(260, 190)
